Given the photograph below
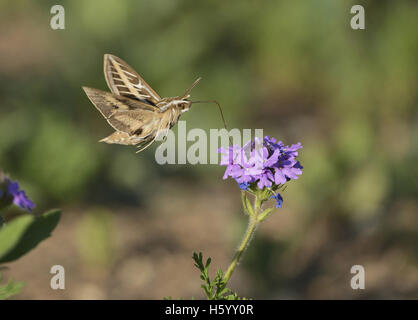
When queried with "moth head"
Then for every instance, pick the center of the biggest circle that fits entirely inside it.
(184, 105)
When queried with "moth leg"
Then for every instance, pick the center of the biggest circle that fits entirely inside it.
(143, 148)
(146, 143)
(165, 134)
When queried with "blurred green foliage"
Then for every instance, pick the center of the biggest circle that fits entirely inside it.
(294, 68)
(10, 289)
(94, 238)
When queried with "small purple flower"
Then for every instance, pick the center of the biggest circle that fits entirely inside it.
(18, 197)
(244, 185)
(278, 198)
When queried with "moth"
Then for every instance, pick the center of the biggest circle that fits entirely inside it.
(136, 112)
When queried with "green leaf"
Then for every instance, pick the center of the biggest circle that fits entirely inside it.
(24, 233)
(246, 203)
(10, 289)
(198, 261)
(208, 263)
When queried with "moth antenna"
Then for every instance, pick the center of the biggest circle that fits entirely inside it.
(192, 86)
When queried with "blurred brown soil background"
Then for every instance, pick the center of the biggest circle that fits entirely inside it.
(146, 253)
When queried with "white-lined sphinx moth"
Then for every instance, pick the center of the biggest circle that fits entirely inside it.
(136, 112)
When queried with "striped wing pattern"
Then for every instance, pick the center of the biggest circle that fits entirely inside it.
(125, 81)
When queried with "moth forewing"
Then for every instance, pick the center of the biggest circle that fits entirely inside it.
(124, 80)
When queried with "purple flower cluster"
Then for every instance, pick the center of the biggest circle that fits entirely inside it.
(18, 197)
(268, 163)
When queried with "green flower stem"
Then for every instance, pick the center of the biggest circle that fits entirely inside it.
(252, 226)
